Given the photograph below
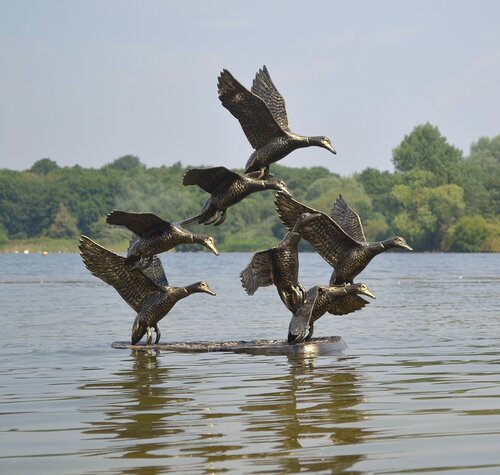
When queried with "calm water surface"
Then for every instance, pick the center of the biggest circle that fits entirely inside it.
(417, 391)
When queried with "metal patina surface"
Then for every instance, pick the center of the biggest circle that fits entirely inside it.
(316, 346)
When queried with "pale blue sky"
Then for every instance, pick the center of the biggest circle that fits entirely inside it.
(84, 82)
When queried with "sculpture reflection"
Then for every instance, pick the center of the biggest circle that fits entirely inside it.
(140, 408)
(313, 406)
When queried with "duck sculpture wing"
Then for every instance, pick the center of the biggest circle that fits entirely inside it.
(264, 87)
(299, 323)
(325, 235)
(132, 284)
(156, 272)
(255, 118)
(348, 219)
(345, 304)
(209, 179)
(142, 224)
(258, 272)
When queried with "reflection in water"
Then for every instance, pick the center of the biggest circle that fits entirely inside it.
(190, 417)
(142, 416)
(313, 406)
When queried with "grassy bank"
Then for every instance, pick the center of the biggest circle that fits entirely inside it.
(42, 245)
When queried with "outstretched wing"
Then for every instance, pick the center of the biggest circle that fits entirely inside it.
(258, 272)
(346, 304)
(132, 284)
(141, 224)
(264, 87)
(299, 323)
(255, 119)
(208, 179)
(325, 235)
(156, 272)
(348, 219)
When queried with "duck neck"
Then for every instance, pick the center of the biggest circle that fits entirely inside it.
(379, 247)
(291, 239)
(300, 141)
(179, 292)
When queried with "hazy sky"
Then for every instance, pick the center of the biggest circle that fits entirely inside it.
(85, 82)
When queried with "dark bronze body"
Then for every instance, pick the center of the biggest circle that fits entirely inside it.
(153, 235)
(262, 115)
(342, 245)
(320, 299)
(279, 266)
(226, 189)
(147, 292)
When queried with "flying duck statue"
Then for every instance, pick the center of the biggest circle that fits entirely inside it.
(279, 266)
(153, 235)
(339, 239)
(337, 300)
(226, 188)
(262, 115)
(147, 292)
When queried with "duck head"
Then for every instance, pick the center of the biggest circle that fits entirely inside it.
(200, 287)
(138, 331)
(323, 142)
(362, 289)
(208, 242)
(279, 185)
(396, 241)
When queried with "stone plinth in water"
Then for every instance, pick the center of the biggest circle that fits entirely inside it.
(316, 346)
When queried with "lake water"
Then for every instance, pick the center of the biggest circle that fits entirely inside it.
(417, 390)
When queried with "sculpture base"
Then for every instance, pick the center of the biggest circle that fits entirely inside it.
(316, 346)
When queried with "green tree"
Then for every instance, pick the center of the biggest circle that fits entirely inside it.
(481, 177)
(44, 167)
(426, 149)
(425, 214)
(127, 163)
(64, 224)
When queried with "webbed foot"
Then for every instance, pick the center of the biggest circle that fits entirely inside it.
(222, 218)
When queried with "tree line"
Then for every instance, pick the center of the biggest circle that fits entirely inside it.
(437, 198)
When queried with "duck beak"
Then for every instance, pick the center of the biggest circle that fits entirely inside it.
(407, 247)
(329, 147)
(209, 291)
(369, 293)
(213, 248)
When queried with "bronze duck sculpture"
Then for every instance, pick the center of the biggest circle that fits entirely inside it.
(153, 235)
(226, 189)
(337, 300)
(339, 239)
(279, 266)
(262, 115)
(147, 292)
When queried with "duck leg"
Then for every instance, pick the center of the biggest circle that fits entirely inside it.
(222, 218)
(310, 334)
(158, 334)
(190, 221)
(150, 336)
(297, 295)
(211, 219)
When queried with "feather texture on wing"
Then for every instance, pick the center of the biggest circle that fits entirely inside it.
(142, 224)
(348, 219)
(264, 87)
(209, 179)
(258, 272)
(255, 119)
(325, 235)
(132, 284)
